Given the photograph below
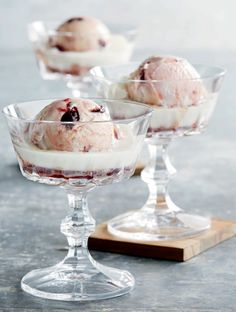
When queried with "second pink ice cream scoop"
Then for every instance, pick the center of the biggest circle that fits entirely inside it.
(167, 81)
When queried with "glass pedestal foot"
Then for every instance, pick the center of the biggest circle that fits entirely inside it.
(64, 282)
(78, 277)
(159, 218)
(149, 225)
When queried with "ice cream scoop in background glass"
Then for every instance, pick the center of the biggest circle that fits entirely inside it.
(183, 98)
(77, 145)
(67, 51)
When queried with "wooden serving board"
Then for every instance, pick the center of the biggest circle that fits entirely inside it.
(179, 250)
(139, 168)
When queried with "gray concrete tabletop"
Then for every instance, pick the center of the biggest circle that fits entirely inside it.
(30, 213)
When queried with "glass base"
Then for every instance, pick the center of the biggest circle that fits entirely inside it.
(146, 224)
(62, 282)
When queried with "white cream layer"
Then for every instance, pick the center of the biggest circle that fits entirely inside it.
(117, 52)
(124, 154)
(173, 117)
(182, 117)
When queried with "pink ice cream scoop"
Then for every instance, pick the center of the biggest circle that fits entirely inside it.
(80, 34)
(81, 136)
(165, 81)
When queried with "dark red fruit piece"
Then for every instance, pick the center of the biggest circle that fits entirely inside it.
(102, 43)
(75, 19)
(67, 100)
(99, 109)
(70, 115)
(60, 47)
(142, 74)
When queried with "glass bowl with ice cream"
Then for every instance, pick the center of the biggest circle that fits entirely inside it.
(70, 49)
(183, 97)
(77, 144)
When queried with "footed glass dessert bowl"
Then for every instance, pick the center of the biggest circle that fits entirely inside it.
(69, 50)
(77, 144)
(183, 98)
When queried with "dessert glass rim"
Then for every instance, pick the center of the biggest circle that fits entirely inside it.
(220, 72)
(148, 111)
(53, 32)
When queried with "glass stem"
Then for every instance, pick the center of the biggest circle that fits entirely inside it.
(81, 86)
(78, 225)
(157, 175)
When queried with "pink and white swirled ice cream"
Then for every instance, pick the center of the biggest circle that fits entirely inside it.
(73, 138)
(89, 34)
(85, 136)
(166, 81)
(77, 45)
(175, 90)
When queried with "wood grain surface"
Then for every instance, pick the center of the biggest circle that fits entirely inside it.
(178, 250)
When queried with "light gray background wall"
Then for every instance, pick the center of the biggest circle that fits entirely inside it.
(166, 25)
(203, 31)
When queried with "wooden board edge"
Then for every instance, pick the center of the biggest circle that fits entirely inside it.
(137, 250)
(227, 231)
(191, 249)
